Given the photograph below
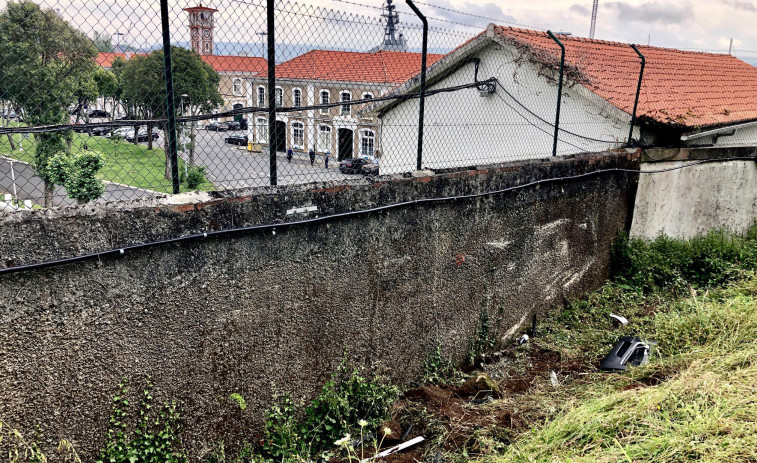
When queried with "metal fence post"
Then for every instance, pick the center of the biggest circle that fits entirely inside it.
(271, 93)
(638, 91)
(422, 101)
(559, 92)
(170, 110)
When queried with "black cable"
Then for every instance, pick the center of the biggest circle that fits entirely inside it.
(552, 124)
(121, 251)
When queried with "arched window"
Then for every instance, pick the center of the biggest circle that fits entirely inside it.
(324, 139)
(262, 130)
(298, 135)
(367, 96)
(237, 86)
(261, 97)
(367, 142)
(325, 99)
(297, 97)
(279, 97)
(345, 96)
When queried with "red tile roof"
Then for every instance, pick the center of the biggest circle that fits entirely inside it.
(679, 87)
(245, 64)
(379, 67)
(221, 63)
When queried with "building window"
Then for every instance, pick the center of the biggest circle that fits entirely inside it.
(324, 139)
(367, 96)
(279, 97)
(262, 130)
(367, 142)
(345, 96)
(297, 97)
(207, 46)
(237, 86)
(325, 99)
(298, 135)
(261, 97)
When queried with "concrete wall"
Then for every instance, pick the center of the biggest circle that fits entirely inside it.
(692, 201)
(497, 125)
(258, 312)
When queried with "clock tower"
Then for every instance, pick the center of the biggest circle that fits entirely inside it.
(201, 29)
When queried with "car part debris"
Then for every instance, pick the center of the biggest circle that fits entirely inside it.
(553, 379)
(523, 339)
(620, 318)
(628, 351)
(395, 449)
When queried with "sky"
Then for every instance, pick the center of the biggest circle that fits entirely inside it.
(706, 25)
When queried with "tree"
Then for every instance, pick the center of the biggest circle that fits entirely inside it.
(144, 87)
(103, 42)
(44, 62)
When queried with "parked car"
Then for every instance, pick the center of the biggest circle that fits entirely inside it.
(217, 127)
(101, 131)
(353, 165)
(243, 124)
(370, 168)
(123, 132)
(99, 113)
(142, 136)
(240, 140)
(234, 125)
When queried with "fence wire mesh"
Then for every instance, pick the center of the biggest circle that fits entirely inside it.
(84, 113)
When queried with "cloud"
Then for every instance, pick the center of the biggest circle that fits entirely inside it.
(651, 12)
(580, 9)
(491, 11)
(741, 6)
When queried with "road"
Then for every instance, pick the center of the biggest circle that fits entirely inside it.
(230, 166)
(29, 186)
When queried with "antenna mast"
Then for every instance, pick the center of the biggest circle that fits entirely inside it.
(593, 18)
(393, 40)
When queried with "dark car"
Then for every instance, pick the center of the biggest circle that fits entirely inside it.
(99, 113)
(240, 140)
(234, 125)
(369, 169)
(352, 166)
(243, 124)
(217, 127)
(142, 136)
(101, 131)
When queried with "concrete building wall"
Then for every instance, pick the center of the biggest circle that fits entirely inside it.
(511, 127)
(692, 201)
(256, 313)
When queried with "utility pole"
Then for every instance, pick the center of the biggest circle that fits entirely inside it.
(593, 19)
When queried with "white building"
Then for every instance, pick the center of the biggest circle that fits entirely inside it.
(686, 98)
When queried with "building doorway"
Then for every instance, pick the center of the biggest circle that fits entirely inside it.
(345, 143)
(238, 117)
(280, 132)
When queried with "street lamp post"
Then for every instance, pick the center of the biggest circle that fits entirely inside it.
(118, 41)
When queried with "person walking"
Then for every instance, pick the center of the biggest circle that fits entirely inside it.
(289, 155)
(311, 153)
(326, 160)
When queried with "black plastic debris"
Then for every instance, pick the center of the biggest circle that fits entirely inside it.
(628, 351)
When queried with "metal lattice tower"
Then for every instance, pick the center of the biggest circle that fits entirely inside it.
(393, 40)
(593, 19)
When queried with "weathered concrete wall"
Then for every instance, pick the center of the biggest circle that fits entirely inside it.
(692, 201)
(258, 312)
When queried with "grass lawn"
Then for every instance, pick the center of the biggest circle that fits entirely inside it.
(125, 163)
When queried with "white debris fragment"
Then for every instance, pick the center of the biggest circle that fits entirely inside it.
(553, 379)
(621, 319)
(523, 339)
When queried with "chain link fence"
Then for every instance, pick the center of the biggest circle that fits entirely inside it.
(273, 93)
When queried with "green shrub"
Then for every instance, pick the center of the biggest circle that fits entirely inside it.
(674, 264)
(154, 437)
(194, 177)
(352, 394)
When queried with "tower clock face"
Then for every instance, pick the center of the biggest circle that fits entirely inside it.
(206, 33)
